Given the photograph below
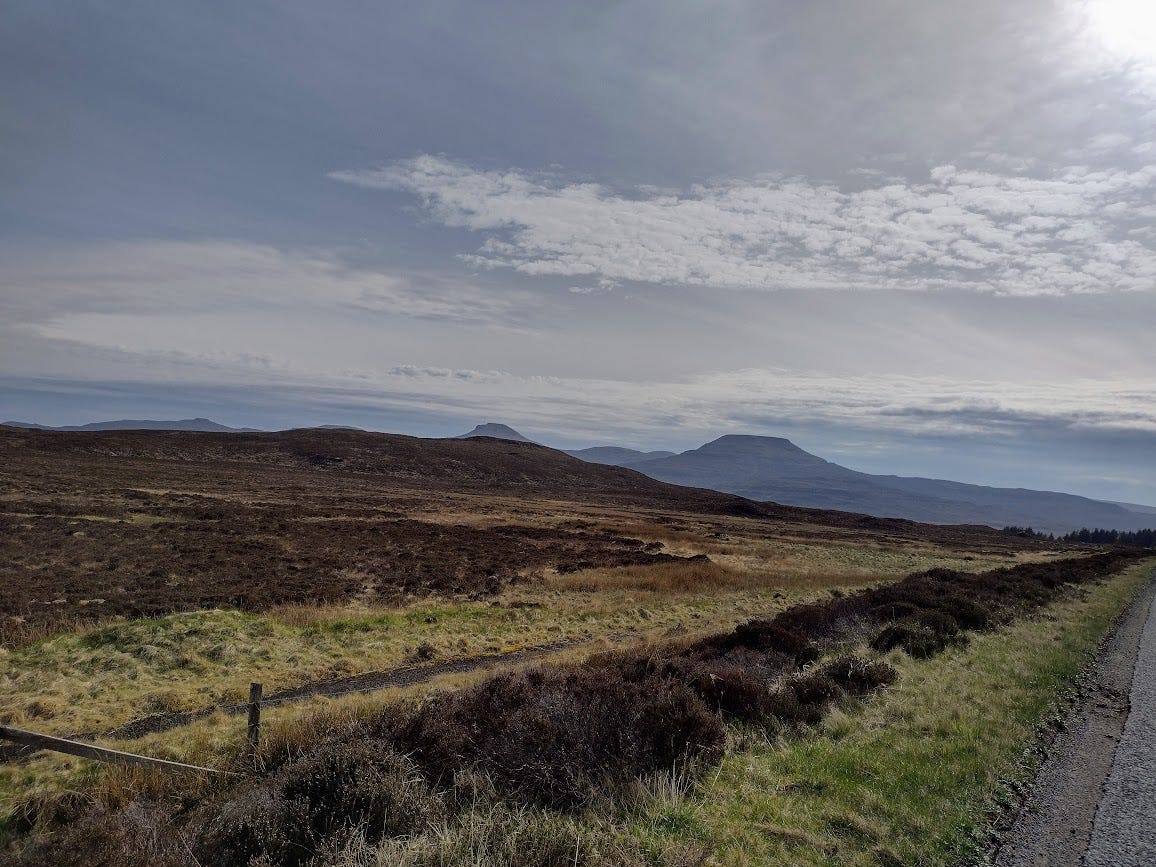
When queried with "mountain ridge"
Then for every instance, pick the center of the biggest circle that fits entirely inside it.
(473, 464)
(775, 469)
(199, 424)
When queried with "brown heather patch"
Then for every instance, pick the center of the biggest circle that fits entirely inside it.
(141, 524)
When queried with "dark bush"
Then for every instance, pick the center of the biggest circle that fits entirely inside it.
(730, 689)
(337, 786)
(807, 619)
(554, 737)
(968, 614)
(916, 639)
(140, 835)
(815, 687)
(858, 676)
(943, 625)
(765, 635)
(783, 705)
(894, 610)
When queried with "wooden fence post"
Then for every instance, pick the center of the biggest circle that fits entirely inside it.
(255, 692)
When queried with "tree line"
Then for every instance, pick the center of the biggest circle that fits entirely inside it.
(1131, 539)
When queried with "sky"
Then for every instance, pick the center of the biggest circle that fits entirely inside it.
(916, 238)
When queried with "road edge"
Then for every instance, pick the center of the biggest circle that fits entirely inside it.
(1050, 821)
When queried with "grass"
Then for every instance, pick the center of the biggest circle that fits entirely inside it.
(913, 776)
(96, 679)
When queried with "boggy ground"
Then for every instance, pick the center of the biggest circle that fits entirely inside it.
(133, 524)
(172, 569)
(150, 573)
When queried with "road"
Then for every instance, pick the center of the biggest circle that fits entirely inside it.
(1094, 801)
(1124, 833)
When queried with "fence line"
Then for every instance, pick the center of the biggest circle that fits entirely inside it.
(100, 754)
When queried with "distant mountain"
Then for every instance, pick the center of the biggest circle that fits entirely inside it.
(497, 431)
(772, 468)
(616, 455)
(203, 425)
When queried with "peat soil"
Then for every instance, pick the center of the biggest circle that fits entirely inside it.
(1072, 794)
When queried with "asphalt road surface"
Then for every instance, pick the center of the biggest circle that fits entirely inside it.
(1124, 833)
(1094, 801)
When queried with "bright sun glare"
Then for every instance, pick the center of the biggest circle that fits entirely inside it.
(1127, 28)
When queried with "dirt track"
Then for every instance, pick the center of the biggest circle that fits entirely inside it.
(361, 683)
(1093, 798)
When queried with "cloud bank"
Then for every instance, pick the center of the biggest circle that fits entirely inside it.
(1072, 230)
(187, 277)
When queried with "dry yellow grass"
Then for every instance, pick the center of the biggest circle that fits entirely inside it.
(100, 677)
(103, 677)
(676, 577)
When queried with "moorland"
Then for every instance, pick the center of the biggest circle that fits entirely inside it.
(609, 669)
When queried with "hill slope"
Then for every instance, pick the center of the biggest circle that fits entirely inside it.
(472, 464)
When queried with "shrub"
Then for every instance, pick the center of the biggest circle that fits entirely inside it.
(765, 635)
(816, 688)
(337, 786)
(140, 835)
(968, 614)
(916, 639)
(943, 625)
(807, 619)
(783, 706)
(730, 689)
(894, 610)
(858, 676)
(554, 737)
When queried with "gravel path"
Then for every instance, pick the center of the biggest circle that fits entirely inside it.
(373, 681)
(1074, 806)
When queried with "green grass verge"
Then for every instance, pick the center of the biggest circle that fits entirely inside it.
(914, 775)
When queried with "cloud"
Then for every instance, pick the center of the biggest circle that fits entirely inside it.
(1073, 230)
(183, 278)
(601, 409)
